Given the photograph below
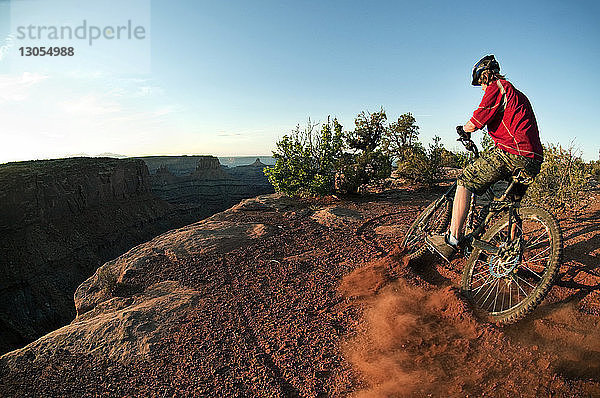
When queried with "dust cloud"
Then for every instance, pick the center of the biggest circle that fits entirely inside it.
(417, 339)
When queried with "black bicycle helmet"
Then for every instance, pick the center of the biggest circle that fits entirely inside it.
(486, 63)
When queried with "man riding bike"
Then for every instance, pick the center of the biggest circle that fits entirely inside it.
(511, 123)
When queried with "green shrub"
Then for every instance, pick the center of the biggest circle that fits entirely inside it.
(307, 160)
(456, 160)
(593, 169)
(561, 181)
(369, 129)
(317, 164)
(463, 159)
(367, 162)
(424, 165)
(362, 168)
(400, 136)
(487, 142)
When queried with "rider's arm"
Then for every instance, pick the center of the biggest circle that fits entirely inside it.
(489, 107)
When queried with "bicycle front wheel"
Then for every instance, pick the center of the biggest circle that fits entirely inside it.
(507, 286)
(434, 219)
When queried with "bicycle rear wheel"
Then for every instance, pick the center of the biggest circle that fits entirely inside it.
(505, 288)
(434, 219)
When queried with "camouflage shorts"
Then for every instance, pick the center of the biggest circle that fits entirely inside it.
(494, 165)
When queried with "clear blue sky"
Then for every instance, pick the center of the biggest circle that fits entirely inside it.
(231, 77)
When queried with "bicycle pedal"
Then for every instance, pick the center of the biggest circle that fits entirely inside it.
(434, 250)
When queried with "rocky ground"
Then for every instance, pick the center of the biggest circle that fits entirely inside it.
(279, 297)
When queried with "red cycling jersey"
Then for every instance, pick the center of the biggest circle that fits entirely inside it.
(515, 130)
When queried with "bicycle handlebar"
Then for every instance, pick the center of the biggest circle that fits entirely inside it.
(465, 139)
(469, 145)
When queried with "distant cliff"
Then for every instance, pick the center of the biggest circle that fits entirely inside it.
(200, 186)
(59, 220)
(177, 165)
(252, 174)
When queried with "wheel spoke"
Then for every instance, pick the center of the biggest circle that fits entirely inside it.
(518, 277)
(539, 243)
(489, 292)
(484, 277)
(530, 270)
(484, 269)
(488, 281)
(519, 288)
(496, 296)
(538, 254)
(537, 240)
(534, 230)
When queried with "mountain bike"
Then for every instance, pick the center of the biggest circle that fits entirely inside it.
(513, 252)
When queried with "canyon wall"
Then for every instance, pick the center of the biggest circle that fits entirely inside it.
(208, 187)
(177, 165)
(60, 220)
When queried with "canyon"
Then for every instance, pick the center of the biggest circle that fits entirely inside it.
(61, 219)
(199, 186)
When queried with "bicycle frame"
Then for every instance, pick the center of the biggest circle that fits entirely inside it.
(475, 227)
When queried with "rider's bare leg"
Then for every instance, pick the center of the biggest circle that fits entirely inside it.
(462, 200)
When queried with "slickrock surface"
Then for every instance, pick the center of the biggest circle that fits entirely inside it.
(278, 297)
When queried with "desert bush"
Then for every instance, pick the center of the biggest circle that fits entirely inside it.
(369, 129)
(307, 160)
(593, 169)
(413, 163)
(449, 158)
(366, 162)
(317, 164)
(561, 180)
(434, 167)
(362, 168)
(487, 142)
(400, 136)
(463, 159)
(455, 159)
(424, 164)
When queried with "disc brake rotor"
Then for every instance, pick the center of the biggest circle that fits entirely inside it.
(502, 265)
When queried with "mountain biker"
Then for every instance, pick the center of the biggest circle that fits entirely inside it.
(510, 122)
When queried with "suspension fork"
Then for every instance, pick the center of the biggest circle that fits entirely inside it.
(514, 222)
